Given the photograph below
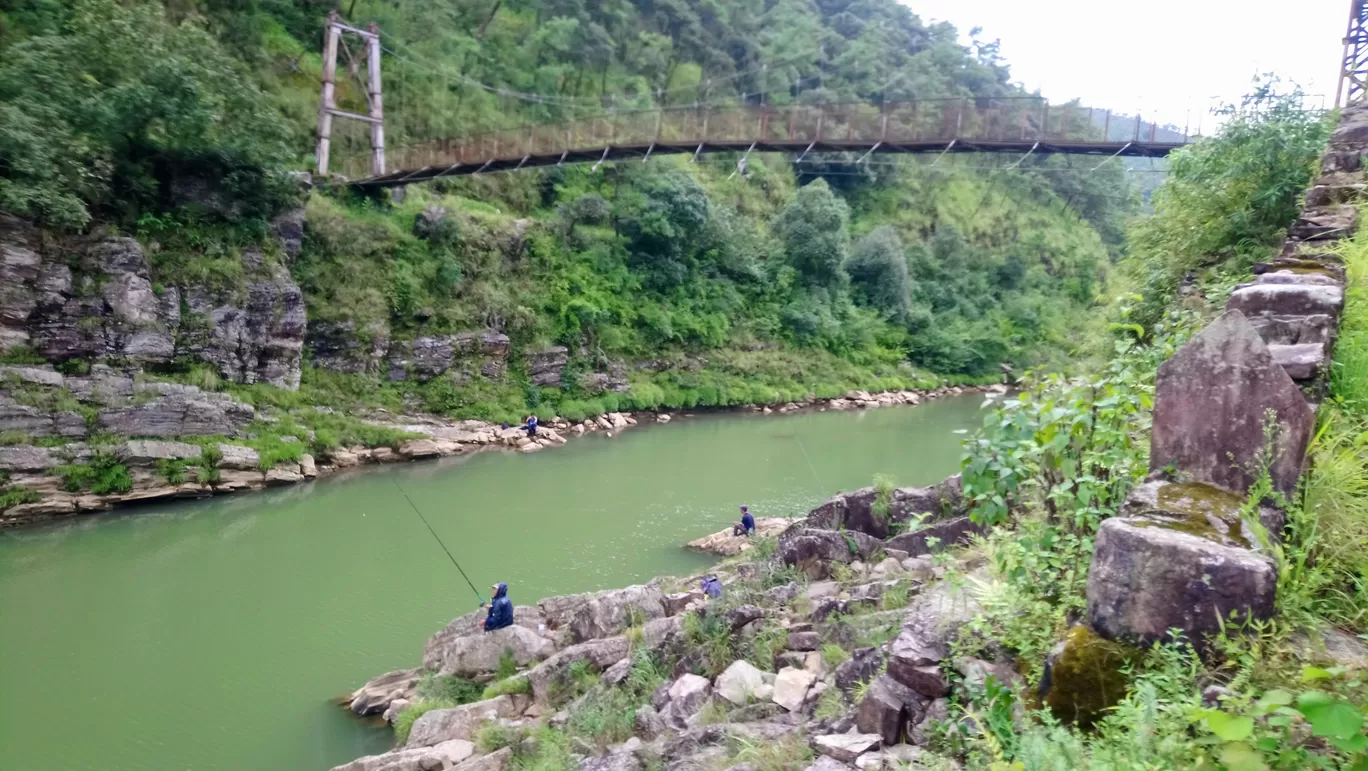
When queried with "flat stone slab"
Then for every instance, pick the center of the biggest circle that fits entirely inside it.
(1302, 362)
(1211, 403)
(1324, 223)
(1296, 330)
(1287, 300)
(1149, 577)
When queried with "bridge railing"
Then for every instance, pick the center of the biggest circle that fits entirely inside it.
(851, 125)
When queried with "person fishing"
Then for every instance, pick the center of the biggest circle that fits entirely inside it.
(746, 526)
(531, 426)
(500, 609)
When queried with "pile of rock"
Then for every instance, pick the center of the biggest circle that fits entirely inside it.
(1181, 555)
(902, 686)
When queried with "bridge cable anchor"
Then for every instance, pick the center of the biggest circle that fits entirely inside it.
(601, 159)
(942, 153)
(447, 170)
(867, 154)
(697, 150)
(1023, 158)
(485, 166)
(1110, 157)
(741, 164)
(805, 152)
(520, 163)
(562, 158)
(648, 153)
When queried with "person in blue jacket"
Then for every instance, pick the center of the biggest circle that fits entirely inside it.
(746, 526)
(500, 609)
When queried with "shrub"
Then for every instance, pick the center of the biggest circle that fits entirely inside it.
(833, 654)
(102, 476)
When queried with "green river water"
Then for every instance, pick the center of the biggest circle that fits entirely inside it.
(217, 635)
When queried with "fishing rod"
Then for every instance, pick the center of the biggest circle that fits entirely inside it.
(439, 540)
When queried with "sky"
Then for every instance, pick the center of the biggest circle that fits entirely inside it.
(1164, 56)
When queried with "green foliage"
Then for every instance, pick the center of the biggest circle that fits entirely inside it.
(103, 475)
(109, 106)
(878, 272)
(403, 722)
(1228, 199)
(172, 470)
(508, 664)
(883, 497)
(1069, 444)
(833, 654)
(789, 753)
(507, 686)
(812, 228)
(448, 689)
(11, 495)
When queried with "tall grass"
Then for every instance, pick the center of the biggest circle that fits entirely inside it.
(1325, 563)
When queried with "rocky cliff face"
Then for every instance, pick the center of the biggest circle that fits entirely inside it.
(94, 299)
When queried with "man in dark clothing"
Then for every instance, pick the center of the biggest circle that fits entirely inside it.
(531, 426)
(746, 526)
(500, 609)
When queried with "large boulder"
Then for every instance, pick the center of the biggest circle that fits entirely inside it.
(936, 536)
(548, 677)
(1085, 676)
(855, 510)
(479, 654)
(26, 457)
(441, 725)
(791, 687)
(845, 747)
(686, 695)
(471, 624)
(812, 550)
(724, 544)
(861, 667)
(1185, 563)
(443, 756)
(886, 708)
(739, 683)
(1211, 403)
(1287, 300)
(580, 617)
(378, 693)
(932, 620)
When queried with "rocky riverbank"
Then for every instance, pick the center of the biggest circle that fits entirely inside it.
(79, 444)
(829, 644)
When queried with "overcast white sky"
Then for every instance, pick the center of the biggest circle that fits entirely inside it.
(1163, 55)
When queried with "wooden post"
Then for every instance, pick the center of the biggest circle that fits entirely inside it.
(331, 34)
(377, 110)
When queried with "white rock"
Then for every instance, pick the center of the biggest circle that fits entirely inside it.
(845, 747)
(820, 589)
(739, 682)
(791, 687)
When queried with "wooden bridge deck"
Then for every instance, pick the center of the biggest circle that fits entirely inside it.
(1018, 126)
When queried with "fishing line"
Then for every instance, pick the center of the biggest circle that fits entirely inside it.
(439, 540)
(811, 467)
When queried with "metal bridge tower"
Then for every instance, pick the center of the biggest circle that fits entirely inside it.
(1354, 70)
(327, 103)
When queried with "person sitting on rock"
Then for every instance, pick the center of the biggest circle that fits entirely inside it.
(500, 609)
(531, 426)
(746, 526)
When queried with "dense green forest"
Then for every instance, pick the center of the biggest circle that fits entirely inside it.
(876, 274)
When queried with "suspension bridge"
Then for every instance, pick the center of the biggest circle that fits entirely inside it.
(1023, 126)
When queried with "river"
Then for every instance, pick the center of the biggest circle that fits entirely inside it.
(216, 635)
